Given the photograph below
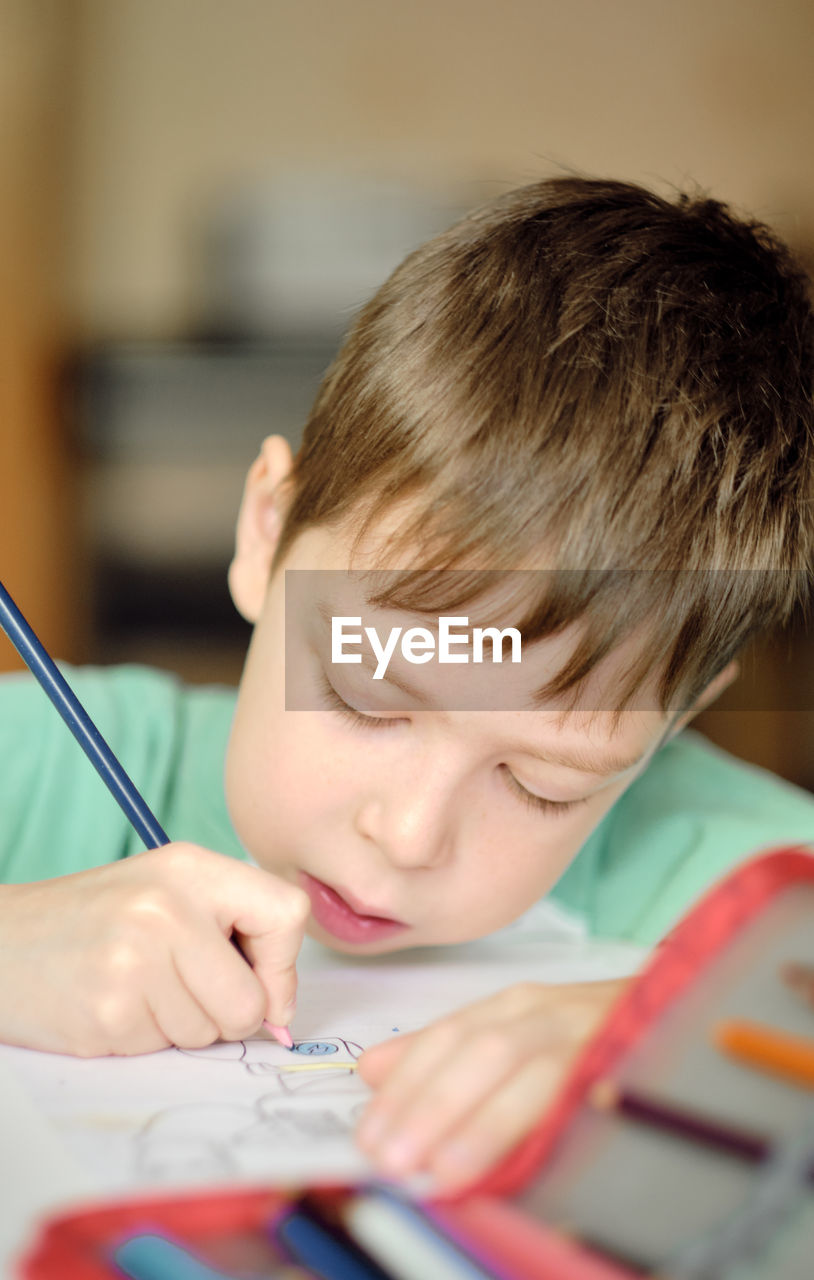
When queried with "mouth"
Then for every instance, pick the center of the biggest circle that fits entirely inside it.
(334, 913)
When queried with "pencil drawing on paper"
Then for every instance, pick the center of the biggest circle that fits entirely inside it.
(207, 1140)
(265, 1057)
(199, 1141)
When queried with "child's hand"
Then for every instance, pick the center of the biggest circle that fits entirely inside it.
(455, 1097)
(135, 956)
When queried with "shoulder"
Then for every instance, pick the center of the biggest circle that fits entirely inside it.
(693, 777)
(169, 737)
(104, 687)
(125, 702)
(694, 813)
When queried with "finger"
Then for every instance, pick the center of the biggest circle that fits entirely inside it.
(434, 1112)
(403, 1075)
(271, 941)
(415, 1068)
(376, 1063)
(426, 1098)
(267, 915)
(130, 1030)
(179, 1015)
(222, 983)
(480, 1065)
(491, 1131)
(273, 962)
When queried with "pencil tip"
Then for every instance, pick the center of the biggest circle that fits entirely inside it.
(280, 1033)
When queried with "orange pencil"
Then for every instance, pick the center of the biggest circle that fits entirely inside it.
(769, 1050)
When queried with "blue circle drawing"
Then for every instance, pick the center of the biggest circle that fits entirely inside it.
(315, 1048)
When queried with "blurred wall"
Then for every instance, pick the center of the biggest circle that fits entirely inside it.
(176, 99)
(39, 562)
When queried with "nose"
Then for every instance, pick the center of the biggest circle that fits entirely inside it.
(411, 820)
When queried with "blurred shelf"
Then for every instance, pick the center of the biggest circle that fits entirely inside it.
(154, 402)
(167, 432)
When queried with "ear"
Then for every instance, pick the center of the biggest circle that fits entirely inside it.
(259, 523)
(713, 690)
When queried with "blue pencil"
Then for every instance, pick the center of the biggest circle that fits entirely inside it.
(322, 1247)
(42, 665)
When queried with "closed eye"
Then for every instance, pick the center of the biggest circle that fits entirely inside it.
(538, 803)
(357, 718)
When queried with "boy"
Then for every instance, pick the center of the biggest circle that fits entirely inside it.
(581, 380)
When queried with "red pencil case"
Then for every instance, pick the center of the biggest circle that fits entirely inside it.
(723, 957)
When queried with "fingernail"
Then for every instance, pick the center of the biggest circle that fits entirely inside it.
(456, 1164)
(400, 1155)
(371, 1127)
(280, 1033)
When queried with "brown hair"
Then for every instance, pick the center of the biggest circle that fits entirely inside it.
(587, 377)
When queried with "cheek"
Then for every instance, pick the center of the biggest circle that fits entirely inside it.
(511, 869)
(518, 859)
(282, 781)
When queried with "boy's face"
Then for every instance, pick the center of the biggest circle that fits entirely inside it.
(416, 828)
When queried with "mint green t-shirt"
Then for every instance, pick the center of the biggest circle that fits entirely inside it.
(694, 813)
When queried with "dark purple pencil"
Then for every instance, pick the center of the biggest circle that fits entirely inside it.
(745, 1144)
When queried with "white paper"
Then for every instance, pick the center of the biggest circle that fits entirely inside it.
(248, 1112)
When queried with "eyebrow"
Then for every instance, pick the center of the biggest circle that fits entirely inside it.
(603, 765)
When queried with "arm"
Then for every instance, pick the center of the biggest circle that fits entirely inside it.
(454, 1098)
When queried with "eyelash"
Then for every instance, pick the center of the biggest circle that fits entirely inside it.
(357, 718)
(538, 803)
(360, 721)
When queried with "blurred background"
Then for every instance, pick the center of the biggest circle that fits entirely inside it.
(195, 195)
